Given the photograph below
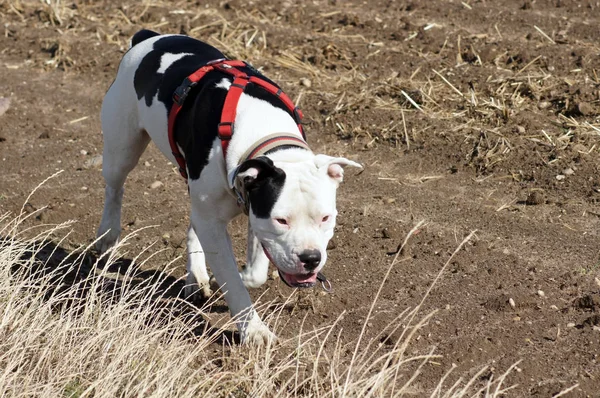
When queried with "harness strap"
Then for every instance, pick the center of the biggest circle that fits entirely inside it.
(225, 127)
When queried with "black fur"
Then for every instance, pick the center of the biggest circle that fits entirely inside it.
(264, 190)
(196, 127)
(142, 35)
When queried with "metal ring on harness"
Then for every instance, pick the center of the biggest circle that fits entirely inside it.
(325, 284)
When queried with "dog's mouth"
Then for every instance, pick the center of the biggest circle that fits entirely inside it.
(294, 280)
(298, 280)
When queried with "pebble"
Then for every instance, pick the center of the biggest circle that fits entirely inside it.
(95, 161)
(585, 109)
(166, 236)
(83, 152)
(156, 184)
(541, 293)
(275, 275)
(535, 198)
(553, 307)
(4, 105)
(569, 171)
(520, 129)
(560, 177)
(147, 163)
(543, 105)
(305, 82)
(571, 324)
(84, 188)
(512, 302)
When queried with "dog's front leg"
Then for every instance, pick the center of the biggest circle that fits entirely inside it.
(213, 236)
(256, 271)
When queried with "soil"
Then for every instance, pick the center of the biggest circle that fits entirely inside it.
(500, 135)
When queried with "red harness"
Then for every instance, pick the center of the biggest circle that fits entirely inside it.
(240, 81)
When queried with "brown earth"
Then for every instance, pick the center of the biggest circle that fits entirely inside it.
(505, 141)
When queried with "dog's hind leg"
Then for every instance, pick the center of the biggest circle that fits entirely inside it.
(197, 280)
(124, 143)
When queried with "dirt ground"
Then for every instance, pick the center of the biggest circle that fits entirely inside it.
(474, 115)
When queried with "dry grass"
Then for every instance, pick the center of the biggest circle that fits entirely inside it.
(364, 103)
(69, 327)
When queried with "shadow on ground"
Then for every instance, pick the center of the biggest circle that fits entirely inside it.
(74, 275)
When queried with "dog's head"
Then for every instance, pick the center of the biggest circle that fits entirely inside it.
(293, 211)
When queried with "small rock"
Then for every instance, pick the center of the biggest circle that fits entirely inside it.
(541, 293)
(585, 109)
(29, 208)
(512, 302)
(520, 129)
(544, 105)
(44, 136)
(156, 185)
(385, 234)
(571, 324)
(568, 171)
(275, 275)
(560, 177)
(535, 197)
(83, 152)
(94, 161)
(84, 188)
(590, 302)
(553, 307)
(4, 105)
(390, 200)
(305, 82)
(147, 163)
(166, 237)
(42, 216)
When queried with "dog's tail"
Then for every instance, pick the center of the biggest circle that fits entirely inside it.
(141, 36)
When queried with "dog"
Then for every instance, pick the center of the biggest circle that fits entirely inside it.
(243, 154)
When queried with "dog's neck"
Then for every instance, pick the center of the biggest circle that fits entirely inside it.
(255, 120)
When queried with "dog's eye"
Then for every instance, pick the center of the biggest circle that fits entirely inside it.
(281, 221)
(325, 219)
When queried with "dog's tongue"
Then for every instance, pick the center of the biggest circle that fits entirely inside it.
(297, 279)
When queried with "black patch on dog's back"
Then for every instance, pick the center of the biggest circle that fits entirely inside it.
(141, 36)
(264, 190)
(197, 123)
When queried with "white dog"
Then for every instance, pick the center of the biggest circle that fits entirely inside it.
(238, 140)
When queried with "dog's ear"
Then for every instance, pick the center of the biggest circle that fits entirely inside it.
(334, 167)
(253, 172)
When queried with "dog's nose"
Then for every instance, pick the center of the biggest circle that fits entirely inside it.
(310, 258)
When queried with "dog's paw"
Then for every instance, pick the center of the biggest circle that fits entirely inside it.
(257, 333)
(197, 293)
(107, 240)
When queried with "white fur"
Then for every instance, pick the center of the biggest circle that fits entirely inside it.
(307, 195)
(168, 58)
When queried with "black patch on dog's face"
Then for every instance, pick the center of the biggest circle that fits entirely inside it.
(264, 190)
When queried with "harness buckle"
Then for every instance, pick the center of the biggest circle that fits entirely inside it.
(225, 130)
(182, 91)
